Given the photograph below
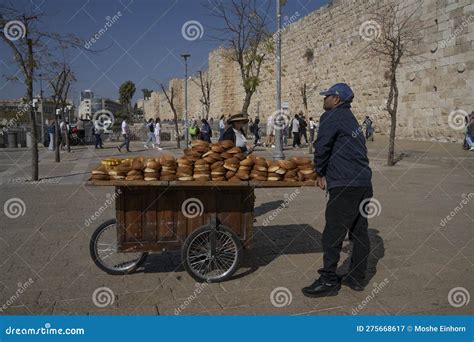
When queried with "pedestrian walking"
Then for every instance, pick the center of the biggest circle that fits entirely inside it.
(51, 133)
(150, 130)
(206, 131)
(295, 129)
(126, 136)
(97, 131)
(157, 133)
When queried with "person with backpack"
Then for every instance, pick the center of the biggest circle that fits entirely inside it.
(255, 129)
(303, 126)
(150, 129)
(97, 134)
(369, 129)
(194, 130)
(206, 131)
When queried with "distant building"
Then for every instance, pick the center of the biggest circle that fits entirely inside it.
(90, 105)
(45, 111)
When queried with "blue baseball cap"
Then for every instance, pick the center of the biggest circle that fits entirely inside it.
(340, 89)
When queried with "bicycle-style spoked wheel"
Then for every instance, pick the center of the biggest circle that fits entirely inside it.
(103, 250)
(205, 264)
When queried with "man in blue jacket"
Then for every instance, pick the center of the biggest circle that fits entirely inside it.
(342, 168)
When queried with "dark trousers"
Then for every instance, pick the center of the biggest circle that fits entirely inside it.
(257, 138)
(296, 139)
(126, 143)
(342, 216)
(304, 135)
(311, 135)
(81, 134)
(98, 140)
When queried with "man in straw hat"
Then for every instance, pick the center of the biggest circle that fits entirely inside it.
(342, 168)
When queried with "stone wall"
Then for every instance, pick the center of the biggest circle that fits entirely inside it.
(436, 81)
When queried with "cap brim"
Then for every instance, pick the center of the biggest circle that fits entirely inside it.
(326, 93)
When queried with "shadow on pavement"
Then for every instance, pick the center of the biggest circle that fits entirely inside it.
(274, 241)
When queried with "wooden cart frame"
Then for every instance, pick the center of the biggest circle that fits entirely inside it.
(211, 222)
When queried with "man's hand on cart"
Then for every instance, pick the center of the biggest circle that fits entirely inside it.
(321, 182)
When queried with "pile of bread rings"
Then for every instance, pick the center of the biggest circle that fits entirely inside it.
(220, 161)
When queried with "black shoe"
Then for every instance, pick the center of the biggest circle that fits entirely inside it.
(353, 284)
(321, 289)
(118, 148)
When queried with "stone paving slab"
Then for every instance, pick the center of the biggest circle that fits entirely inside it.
(422, 259)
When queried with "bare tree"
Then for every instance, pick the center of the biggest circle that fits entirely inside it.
(60, 85)
(170, 100)
(32, 48)
(395, 36)
(304, 98)
(245, 36)
(205, 85)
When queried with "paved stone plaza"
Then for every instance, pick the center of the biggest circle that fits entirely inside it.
(421, 261)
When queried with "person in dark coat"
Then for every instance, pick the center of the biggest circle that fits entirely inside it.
(235, 131)
(342, 169)
(205, 131)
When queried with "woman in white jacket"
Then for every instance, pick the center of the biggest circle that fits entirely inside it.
(157, 133)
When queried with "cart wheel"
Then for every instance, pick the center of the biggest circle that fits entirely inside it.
(103, 249)
(197, 256)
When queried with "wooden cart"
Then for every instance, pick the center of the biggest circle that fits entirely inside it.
(211, 222)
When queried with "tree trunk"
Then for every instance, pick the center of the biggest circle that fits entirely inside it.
(392, 106)
(246, 105)
(391, 144)
(178, 144)
(34, 130)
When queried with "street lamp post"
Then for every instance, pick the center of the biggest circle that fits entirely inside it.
(278, 119)
(186, 56)
(42, 109)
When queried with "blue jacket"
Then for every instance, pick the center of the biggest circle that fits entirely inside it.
(340, 153)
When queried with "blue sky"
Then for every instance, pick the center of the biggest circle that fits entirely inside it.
(144, 43)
